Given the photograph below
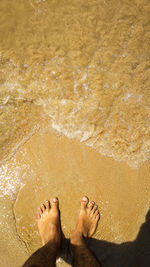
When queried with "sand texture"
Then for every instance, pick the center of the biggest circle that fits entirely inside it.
(85, 66)
(56, 166)
(75, 120)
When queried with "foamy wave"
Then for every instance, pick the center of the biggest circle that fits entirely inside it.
(89, 76)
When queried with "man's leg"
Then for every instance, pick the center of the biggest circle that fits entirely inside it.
(48, 221)
(86, 226)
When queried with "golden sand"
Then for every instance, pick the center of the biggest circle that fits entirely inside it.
(49, 165)
(82, 65)
(74, 117)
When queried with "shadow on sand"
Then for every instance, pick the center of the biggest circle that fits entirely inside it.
(129, 254)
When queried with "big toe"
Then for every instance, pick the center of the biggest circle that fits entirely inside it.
(55, 203)
(84, 201)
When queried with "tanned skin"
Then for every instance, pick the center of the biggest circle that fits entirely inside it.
(49, 226)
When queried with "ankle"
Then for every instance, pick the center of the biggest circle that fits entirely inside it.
(77, 238)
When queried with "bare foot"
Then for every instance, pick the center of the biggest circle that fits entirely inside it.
(48, 221)
(87, 221)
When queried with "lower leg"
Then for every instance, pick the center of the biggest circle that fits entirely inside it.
(48, 221)
(43, 257)
(86, 226)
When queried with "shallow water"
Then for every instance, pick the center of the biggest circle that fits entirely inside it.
(79, 67)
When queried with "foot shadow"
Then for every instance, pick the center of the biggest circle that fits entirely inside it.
(128, 254)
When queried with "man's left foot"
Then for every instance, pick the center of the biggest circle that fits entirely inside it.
(48, 221)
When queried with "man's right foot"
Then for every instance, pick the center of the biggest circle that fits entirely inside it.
(87, 221)
(48, 221)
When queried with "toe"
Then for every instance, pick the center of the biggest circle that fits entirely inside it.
(55, 203)
(96, 213)
(84, 201)
(43, 208)
(40, 211)
(91, 205)
(94, 209)
(47, 204)
(98, 217)
(38, 215)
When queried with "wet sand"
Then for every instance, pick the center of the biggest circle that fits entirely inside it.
(52, 165)
(80, 68)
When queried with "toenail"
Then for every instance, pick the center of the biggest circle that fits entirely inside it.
(84, 199)
(55, 200)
